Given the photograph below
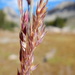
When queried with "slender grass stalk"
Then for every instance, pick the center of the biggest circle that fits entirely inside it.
(31, 14)
(31, 34)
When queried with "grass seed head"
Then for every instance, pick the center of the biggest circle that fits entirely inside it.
(29, 39)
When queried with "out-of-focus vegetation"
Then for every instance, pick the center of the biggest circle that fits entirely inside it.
(4, 24)
(62, 63)
(58, 22)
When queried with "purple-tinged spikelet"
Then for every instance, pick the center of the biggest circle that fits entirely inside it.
(30, 36)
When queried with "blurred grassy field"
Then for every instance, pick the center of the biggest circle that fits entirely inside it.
(63, 63)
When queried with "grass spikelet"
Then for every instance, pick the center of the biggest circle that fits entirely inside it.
(30, 36)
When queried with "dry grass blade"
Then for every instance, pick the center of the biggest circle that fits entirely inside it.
(20, 4)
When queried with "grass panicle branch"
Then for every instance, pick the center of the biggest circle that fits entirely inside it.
(30, 35)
